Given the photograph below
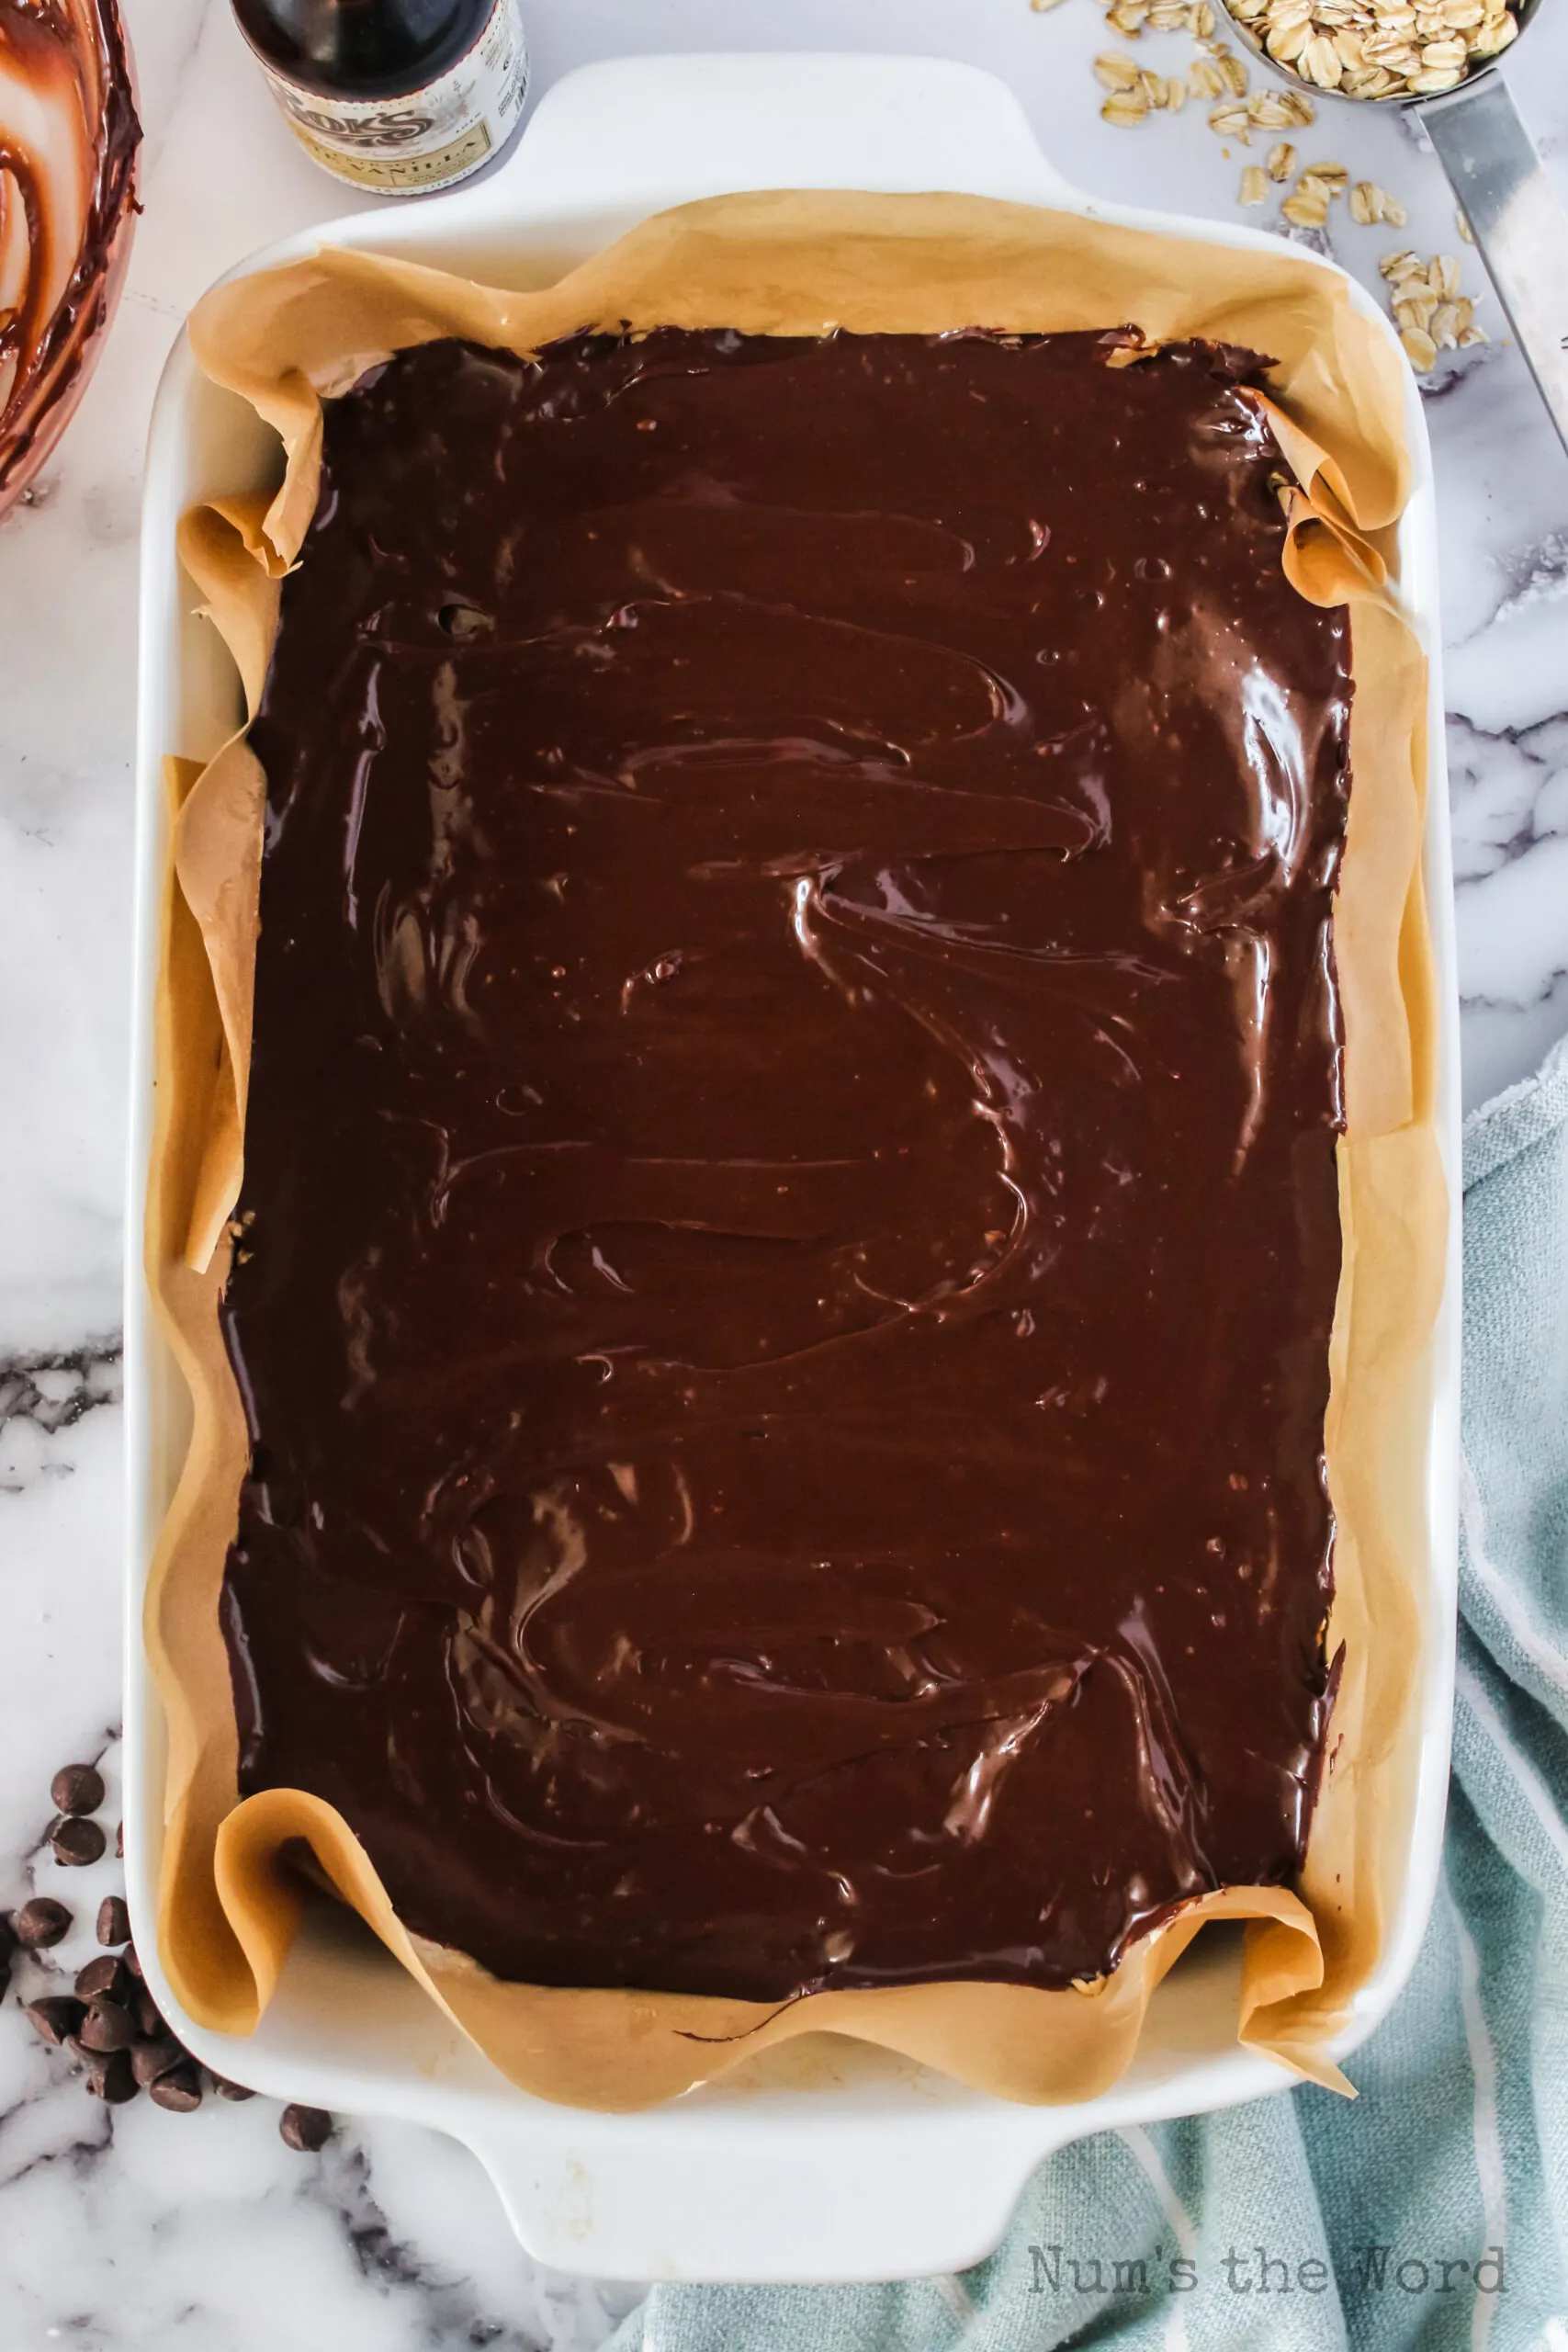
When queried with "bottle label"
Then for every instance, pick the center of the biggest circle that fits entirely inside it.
(410, 145)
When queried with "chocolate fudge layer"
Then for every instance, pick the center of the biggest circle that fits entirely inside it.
(789, 1223)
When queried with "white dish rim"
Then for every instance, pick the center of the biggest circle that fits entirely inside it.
(871, 2175)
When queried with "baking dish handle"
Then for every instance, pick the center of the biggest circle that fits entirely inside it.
(670, 125)
(734, 2194)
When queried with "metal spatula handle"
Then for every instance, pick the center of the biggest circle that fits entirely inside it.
(1519, 222)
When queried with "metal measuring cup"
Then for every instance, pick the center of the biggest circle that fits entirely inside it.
(1497, 175)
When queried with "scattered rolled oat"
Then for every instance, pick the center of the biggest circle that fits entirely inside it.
(1217, 74)
(1370, 204)
(1462, 223)
(1114, 71)
(1129, 101)
(1254, 185)
(1281, 160)
(1310, 184)
(1306, 207)
(1431, 312)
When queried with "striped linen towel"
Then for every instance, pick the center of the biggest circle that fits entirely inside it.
(1433, 2212)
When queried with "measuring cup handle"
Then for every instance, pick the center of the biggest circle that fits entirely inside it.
(1520, 225)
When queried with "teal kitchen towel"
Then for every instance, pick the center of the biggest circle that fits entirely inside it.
(1432, 2212)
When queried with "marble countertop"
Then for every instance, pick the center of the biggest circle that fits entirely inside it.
(125, 2229)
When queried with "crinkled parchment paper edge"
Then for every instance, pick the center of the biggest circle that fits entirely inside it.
(795, 263)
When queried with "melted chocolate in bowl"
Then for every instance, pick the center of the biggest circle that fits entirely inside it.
(68, 142)
(790, 1228)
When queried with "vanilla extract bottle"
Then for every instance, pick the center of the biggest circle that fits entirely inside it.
(398, 96)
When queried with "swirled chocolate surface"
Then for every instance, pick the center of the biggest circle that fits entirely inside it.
(789, 1231)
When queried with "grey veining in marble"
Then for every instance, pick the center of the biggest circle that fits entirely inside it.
(126, 2231)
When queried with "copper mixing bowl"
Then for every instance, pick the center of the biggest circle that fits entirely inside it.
(68, 140)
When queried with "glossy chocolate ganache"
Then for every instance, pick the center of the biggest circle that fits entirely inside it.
(789, 1228)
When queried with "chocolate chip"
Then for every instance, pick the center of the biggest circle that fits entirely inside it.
(42, 1923)
(76, 1788)
(7, 1938)
(180, 2089)
(305, 2129)
(150, 2019)
(5, 1978)
(113, 1921)
(104, 1975)
(107, 2027)
(110, 2079)
(150, 2059)
(77, 1842)
(56, 2018)
(130, 1960)
(119, 1841)
(226, 2089)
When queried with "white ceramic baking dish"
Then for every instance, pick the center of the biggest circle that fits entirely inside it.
(833, 2163)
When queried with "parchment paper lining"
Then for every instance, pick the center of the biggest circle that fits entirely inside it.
(791, 264)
